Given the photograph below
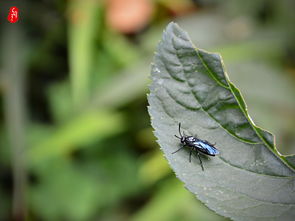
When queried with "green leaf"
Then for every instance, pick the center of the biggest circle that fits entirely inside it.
(248, 180)
(82, 45)
(291, 160)
(83, 129)
(172, 202)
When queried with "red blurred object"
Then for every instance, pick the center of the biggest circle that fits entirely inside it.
(129, 16)
(13, 15)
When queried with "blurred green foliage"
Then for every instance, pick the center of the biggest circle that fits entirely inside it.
(86, 139)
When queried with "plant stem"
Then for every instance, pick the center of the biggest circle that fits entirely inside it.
(14, 109)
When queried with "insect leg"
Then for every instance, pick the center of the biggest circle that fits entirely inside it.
(200, 160)
(178, 150)
(190, 155)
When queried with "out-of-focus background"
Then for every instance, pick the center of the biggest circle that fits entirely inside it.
(75, 135)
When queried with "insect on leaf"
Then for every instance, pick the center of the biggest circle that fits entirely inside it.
(248, 180)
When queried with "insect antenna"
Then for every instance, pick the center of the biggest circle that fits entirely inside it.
(179, 130)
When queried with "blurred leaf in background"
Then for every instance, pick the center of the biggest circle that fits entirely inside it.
(89, 149)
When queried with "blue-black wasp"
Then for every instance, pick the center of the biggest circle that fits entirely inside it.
(196, 145)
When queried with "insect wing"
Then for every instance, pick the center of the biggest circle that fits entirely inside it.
(206, 148)
(212, 150)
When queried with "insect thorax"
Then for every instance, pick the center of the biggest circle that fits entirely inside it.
(190, 139)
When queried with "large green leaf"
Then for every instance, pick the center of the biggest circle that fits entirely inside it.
(248, 180)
